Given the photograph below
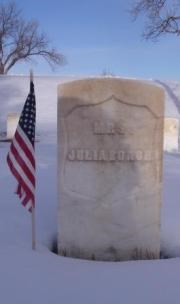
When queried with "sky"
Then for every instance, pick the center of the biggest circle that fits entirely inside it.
(99, 36)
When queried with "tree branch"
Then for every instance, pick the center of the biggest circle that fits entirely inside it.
(21, 40)
(162, 17)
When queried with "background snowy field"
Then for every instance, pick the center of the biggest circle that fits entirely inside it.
(43, 277)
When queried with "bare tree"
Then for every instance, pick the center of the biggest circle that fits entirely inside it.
(20, 40)
(162, 17)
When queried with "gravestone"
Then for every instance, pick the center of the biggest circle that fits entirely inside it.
(110, 145)
(12, 122)
(171, 134)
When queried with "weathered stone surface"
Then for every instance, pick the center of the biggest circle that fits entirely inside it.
(12, 122)
(171, 134)
(110, 142)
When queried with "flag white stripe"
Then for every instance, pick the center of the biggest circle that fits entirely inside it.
(29, 205)
(23, 196)
(25, 139)
(21, 172)
(23, 156)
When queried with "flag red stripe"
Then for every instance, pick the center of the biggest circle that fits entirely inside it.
(25, 187)
(25, 148)
(30, 208)
(21, 158)
(22, 164)
(25, 202)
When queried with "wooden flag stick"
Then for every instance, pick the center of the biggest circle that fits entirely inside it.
(33, 229)
(31, 75)
(33, 208)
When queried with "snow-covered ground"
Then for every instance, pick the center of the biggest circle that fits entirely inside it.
(43, 277)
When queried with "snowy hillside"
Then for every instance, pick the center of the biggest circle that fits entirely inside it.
(43, 277)
(14, 89)
(13, 93)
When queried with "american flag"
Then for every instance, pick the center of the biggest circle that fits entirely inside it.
(21, 156)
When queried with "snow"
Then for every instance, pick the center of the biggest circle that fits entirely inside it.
(43, 277)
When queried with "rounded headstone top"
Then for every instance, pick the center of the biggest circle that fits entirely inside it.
(96, 90)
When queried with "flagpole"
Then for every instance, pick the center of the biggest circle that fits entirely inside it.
(33, 207)
(33, 229)
(31, 75)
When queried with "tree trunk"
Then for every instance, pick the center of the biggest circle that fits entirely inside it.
(1, 69)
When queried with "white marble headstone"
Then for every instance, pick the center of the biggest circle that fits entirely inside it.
(12, 122)
(171, 134)
(110, 141)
